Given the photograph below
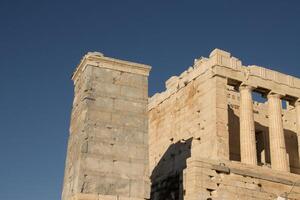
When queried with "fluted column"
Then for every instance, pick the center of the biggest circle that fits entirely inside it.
(277, 144)
(247, 129)
(297, 107)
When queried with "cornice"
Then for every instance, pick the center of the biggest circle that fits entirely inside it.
(97, 59)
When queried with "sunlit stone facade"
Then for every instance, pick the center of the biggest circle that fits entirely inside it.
(206, 137)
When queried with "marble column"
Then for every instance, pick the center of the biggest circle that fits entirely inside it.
(279, 160)
(297, 108)
(247, 129)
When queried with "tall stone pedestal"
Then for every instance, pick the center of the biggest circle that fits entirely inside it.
(108, 144)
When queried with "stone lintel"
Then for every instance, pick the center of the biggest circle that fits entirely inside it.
(256, 76)
(246, 76)
(96, 59)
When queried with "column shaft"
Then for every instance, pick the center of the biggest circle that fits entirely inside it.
(247, 129)
(277, 143)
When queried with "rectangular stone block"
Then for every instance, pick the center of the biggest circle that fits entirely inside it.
(106, 89)
(133, 92)
(130, 106)
(132, 80)
(136, 121)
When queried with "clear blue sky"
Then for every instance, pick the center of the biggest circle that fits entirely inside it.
(41, 42)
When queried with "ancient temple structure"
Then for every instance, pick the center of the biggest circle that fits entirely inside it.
(220, 131)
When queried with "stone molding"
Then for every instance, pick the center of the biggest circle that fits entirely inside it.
(97, 59)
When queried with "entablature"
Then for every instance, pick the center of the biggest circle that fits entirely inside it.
(221, 63)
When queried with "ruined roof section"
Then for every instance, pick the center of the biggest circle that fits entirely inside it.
(97, 59)
(222, 63)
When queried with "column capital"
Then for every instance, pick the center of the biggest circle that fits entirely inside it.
(274, 94)
(245, 86)
(297, 102)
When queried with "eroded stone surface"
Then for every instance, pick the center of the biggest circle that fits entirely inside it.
(108, 151)
(189, 135)
(197, 118)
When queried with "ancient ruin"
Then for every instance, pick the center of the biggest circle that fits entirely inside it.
(220, 131)
(108, 143)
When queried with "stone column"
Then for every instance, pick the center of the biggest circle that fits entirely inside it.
(247, 129)
(278, 152)
(297, 108)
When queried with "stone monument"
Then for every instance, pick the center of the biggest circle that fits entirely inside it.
(107, 154)
(220, 131)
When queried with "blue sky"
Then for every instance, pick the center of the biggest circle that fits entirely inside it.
(41, 42)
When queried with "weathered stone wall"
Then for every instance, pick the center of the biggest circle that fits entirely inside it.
(206, 179)
(108, 142)
(193, 148)
(77, 138)
(189, 118)
(197, 119)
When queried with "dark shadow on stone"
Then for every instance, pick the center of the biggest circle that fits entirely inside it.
(167, 176)
(234, 135)
(291, 143)
(262, 144)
